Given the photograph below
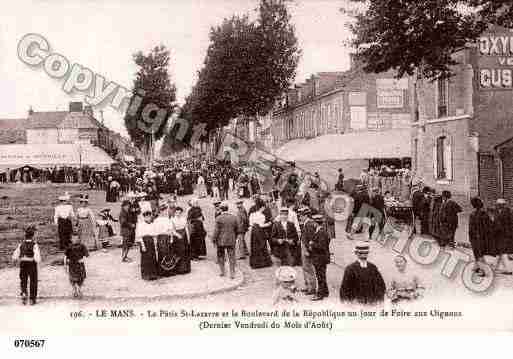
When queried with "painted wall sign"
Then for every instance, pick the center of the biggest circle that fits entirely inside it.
(496, 60)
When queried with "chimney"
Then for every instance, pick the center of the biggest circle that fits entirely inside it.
(30, 111)
(75, 107)
(88, 110)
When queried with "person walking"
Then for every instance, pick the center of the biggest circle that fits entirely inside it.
(285, 240)
(320, 257)
(448, 219)
(503, 233)
(227, 228)
(259, 254)
(86, 224)
(242, 214)
(197, 231)
(28, 255)
(480, 228)
(63, 218)
(307, 235)
(75, 255)
(127, 229)
(145, 236)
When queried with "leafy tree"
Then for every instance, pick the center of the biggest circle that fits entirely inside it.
(247, 66)
(154, 98)
(419, 36)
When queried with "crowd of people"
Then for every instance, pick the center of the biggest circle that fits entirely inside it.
(285, 226)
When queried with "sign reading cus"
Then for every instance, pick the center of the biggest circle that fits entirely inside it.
(496, 60)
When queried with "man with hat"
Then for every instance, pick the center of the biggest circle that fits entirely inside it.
(307, 235)
(362, 281)
(320, 256)
(284, 239)
(503, 233)
(227, 228)
(242, 214)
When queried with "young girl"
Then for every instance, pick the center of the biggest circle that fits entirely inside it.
(75, 255)
(105, 231)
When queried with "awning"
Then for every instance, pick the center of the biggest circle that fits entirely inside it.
(51, 155)
(355, 145)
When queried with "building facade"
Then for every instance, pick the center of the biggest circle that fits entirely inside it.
(75, 126)
(328, 114)
(462, 139)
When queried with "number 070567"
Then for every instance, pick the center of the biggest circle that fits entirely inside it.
(29, 343)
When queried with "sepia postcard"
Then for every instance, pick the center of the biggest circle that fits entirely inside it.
(190, 167)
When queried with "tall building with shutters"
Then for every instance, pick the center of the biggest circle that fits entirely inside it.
(462, 135)
(346, 120)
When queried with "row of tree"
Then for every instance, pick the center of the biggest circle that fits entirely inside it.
(248, 65)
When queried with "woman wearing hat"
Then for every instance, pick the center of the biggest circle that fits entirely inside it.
(145, 235)
(86, 224)
(63, 218)
(195, 220)
(259, 255)
(181, 246)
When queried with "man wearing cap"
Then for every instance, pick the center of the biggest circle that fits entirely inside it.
(320, 256)
(28, 254)
(307, 235)
(362, 281)
(449, 219)
(227, 228)
(242, 214)
(285, 240)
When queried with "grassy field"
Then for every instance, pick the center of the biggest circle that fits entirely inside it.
(21, 205)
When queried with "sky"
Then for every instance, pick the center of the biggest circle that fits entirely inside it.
(103, 36)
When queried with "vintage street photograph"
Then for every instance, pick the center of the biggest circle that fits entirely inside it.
(255, 166)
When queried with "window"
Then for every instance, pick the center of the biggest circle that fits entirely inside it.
(358, 117)
(443, 97)
(442, 158)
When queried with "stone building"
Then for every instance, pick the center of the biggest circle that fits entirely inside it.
(462, 140)
(348, 120)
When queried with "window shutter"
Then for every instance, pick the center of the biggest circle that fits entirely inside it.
(448, 160)
(435, 161)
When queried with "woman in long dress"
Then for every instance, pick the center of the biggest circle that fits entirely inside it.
(63, 218)
(259, 255)
(197, 231)
(163, 231)
(145, 236)
(181, 246)
(86, 224)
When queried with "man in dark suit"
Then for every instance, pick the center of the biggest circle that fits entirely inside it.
(227, 228)
(285, 239)
(320, 257)
(308, 228)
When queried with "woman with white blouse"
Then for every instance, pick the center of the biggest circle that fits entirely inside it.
(145, 235)
(259, 256)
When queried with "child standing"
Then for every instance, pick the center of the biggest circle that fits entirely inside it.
(75, 255)
(27, 253)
